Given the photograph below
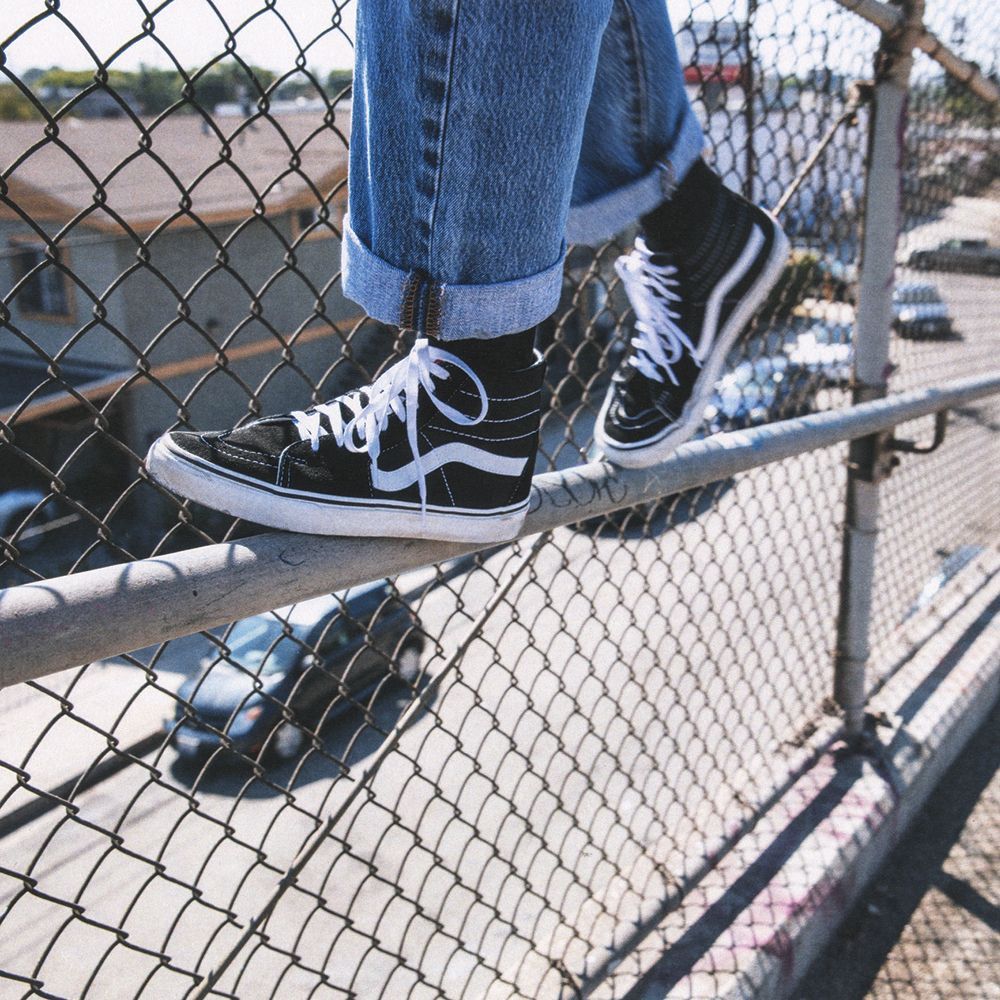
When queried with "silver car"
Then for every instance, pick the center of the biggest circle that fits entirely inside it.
(15, 506)
(918, 311)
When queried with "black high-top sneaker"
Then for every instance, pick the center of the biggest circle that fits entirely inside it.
(431, 449)
(690, 304)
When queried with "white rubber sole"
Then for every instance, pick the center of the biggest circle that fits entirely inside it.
(655, 451)
(316, 515)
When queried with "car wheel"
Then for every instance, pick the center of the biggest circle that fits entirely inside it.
(408, 663)
(286, 741)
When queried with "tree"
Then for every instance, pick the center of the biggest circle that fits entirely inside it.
(14, 106)
(156, 89)
(337, 80)
(229, 82)
(78, 79)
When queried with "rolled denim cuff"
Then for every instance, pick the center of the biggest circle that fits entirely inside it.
(459, 311)
(599, 220)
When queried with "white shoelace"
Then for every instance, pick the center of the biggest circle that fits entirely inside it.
(658, 341)
(394, 392)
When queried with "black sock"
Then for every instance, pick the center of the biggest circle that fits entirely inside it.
(676, 223)
(512, 351)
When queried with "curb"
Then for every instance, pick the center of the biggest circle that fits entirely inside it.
(755, 924)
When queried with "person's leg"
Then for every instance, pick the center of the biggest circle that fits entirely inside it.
(706, 258)
(641, 135)
(467, 126)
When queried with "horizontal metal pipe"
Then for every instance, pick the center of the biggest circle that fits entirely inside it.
(59, 623)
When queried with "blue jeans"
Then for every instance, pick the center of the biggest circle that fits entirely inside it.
(486, 134)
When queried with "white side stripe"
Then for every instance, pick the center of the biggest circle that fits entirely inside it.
(710, 327)
(456, 451)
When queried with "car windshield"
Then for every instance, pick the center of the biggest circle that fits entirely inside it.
(915, 293)
(261, 643)
(759, 372)
(751, 383)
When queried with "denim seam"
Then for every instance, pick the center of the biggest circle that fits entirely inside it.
(642, 129)
(408, 308)
(442, 130)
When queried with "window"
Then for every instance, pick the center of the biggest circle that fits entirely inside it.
(316, 222)
(308, 221)
(305, 217)
(46, 292)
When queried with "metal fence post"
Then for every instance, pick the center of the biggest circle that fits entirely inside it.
(868, 457)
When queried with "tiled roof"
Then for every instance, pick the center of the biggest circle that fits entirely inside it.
(276, 162)
(23, 376)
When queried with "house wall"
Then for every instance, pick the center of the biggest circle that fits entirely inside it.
(93, 259)
(189, 305)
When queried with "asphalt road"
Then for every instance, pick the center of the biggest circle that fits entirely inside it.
(619, 714)
(560, 773)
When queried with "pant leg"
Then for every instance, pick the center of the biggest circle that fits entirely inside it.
(641, 135)
(468, 121)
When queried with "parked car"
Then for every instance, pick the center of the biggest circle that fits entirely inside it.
(918, 311)
(15, 506)
(825, 349)
(971, 256)
(301, 656)
(760, 391)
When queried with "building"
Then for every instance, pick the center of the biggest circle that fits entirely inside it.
(193, 255)
(713, 53)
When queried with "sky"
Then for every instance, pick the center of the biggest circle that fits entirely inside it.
(803, 32)
(188, 27)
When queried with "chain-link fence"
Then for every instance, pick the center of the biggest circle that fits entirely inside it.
(487, 777)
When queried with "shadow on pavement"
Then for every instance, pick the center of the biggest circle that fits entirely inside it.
(927, 926)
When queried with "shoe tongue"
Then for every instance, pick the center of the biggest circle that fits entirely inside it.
(662, 258)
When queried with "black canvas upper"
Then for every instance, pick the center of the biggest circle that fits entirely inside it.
(641, 407)
(271, 453)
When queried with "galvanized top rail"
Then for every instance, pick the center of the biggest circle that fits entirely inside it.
(103, 612)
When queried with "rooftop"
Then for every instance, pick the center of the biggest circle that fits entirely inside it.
(180, 166)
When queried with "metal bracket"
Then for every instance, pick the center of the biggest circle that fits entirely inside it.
(940, 429)
(872, 458)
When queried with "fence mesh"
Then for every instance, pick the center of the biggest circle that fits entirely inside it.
(942, 511)
(478, 779)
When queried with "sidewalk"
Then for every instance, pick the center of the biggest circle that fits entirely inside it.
(928, 928)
